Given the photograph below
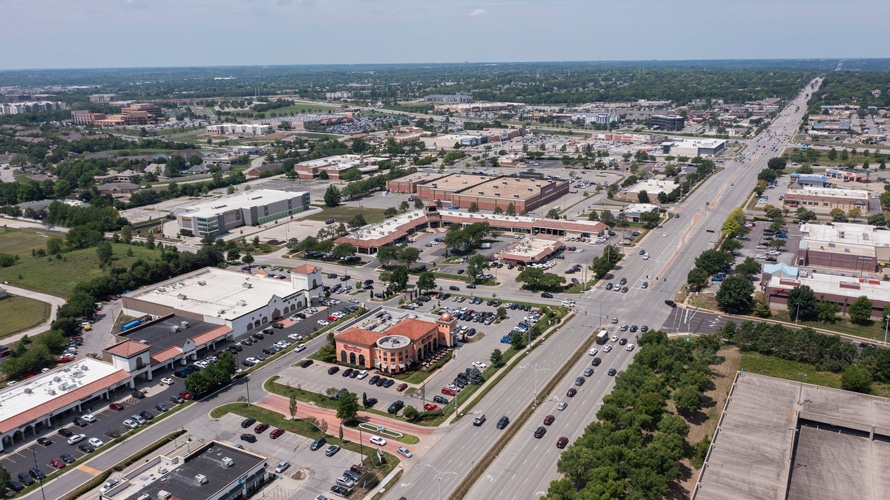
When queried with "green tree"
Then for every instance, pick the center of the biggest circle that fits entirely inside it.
(553, 214)
(411, 413)
(761, 308)
(501, 313)
(838, 215)
(532, 278)
(399, 277)
(126, 234)
(54, 245)
(643, 197)
(426, 281)
(857, 379)
(357, 221)
(347, 407)
(713, 261)
(343, 250)
(386, 255)
(731, 245)
(149, 241)
(776, 163)
(474, 208)
(4, 477)
(332, 196)
(832, 154)
(828, 312)
(860, 311)
(476, 265)
(418, 203)
(292, 405)
(735, 295)
(390, 212)
(697, 278)
(497, 358)
(802, 303)
(247, 259)
(687, 399)
(511, 209)
(748, 268)
(105, 253)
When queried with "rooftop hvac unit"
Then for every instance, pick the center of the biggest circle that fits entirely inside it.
(200, 479)
(246, 285)
(175, 328)
(163, 495)
(184, 324)
(202, 282)
(162, 289)
(242, 303)
(228, 462)
(28, 390)
(181, 296)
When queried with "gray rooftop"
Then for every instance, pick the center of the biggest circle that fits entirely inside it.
(160, 335)
(180, 482)
(754, 453)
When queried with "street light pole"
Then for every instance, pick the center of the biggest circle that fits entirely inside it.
(439, 475)
(886, 324)
(535, 367)
(36, 467)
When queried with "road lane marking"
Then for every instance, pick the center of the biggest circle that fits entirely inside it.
(89, 470)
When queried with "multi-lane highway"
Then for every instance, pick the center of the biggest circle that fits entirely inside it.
(527, 465)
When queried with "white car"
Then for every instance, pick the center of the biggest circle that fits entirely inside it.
(110, 484)
(614, 338)
(131, 424)
(354, 300)
(282, 466)
(252, 360)
(405, 452)
(593, 351)
(379, 441)
(324, 322)
(362, 374)
(88, 417)
(96, 442)
(607, 348)
(167, 380)
(629, 347)
(480, 365)
(646, 256)
(295, 336)
(76, 438)
(300, 347)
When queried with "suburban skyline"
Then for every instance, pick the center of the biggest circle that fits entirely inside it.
(54, 34)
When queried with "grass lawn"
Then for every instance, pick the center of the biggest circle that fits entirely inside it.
(59, 276)
(345, 214)
(875, 331)
(790, 370)
(21, 313)
(21, 241)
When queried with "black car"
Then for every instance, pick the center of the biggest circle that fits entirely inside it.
(596, 361)
(609, 286)
(80, 422)
(623, 340)
(306, 363)
(440, 399)
(380, 381)
(670, 303)
(622, 281)
(67, 458)
(25, 478)
(373, 380)
(503, 422)
(64, 431)
(318, 443)
(395, 406)
(147, 415)
(347, 372)
(247, 422)
(579, 381)
(370, 402)
(540, 431)
(340, 490)
(15, 486)
(388, 383)
(332, 370)
(138, 395)
(86, 447)
(250, 438)
(36, 473)
(612, 372)
(547, 295)
(354, 374)
(44, 441)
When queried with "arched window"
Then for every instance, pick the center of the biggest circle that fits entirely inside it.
(343, 357)
(361, 359)
(352, 358)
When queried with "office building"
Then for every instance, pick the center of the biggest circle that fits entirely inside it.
(250, 208)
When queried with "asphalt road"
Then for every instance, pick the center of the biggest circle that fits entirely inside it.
(672, 251)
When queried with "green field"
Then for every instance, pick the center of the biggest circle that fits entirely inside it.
(21, 241)
(790, 370)
(21, 313)
(59, 276)
(345, 214)
(297, 108)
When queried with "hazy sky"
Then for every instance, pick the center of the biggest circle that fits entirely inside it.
(122, 33)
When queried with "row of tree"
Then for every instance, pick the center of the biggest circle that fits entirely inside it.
(634, 448)
(213, 377)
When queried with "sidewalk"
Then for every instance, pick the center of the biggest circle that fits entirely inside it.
(54, 302)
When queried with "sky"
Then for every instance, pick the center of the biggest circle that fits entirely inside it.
(161, 33)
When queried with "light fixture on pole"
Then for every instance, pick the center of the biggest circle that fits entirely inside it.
(37, 468)
(536, 369)
(439, 475)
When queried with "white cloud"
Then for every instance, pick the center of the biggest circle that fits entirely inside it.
(477, 12)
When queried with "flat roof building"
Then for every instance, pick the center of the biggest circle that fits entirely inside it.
(787, 439)
(393, 340)
(842, 290)
(635, 210)
(410, 182)
(694, 147)
(214, 471)
(824, 200)
(856, 247)
(243, 129)
(31, 405)
(530, 251)
(250, 208)
(239, 301)
(334, 166)
(492, 192)
(663, 122)
(652, 187)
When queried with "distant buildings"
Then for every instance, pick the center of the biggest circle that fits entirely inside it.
(334, 166)
(853, 247)
(652, 187)
(134, 114)
(478, 107)
(103, 98)
(664, 122)
(244, 129)
(17, 108)
(824, 200)
(694, 147)
(250, 208)
(125, 176)
(449, 98)
(595, 118)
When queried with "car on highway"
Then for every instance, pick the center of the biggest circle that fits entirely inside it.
(593, 351)
(596, 361)
(405, 452)
(607, 348)
(562, 442)
(579, 381)
(540, 431)
(612, 372)
(549, 419)
(379, 441)
(562, 406)
(503, 422)
(479, 420)
(588, 371)
(571, 392)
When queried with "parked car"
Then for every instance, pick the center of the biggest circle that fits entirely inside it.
(250, 438)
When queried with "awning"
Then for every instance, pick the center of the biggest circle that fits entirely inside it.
(402, 366)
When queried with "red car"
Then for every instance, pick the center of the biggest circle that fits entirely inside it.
(261, 428)
(64, 359)
(185, 395)
(549, 419)
(332, 318)
(448, 391)
(571, 392)
(277, 433)
(116, 406)
(402, 387)
(57, 463)
(430, 407)
(562, 442)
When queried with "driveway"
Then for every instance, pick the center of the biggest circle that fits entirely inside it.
(54, 302)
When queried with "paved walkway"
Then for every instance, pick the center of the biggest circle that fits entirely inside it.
(52, 300)
(281, 405)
